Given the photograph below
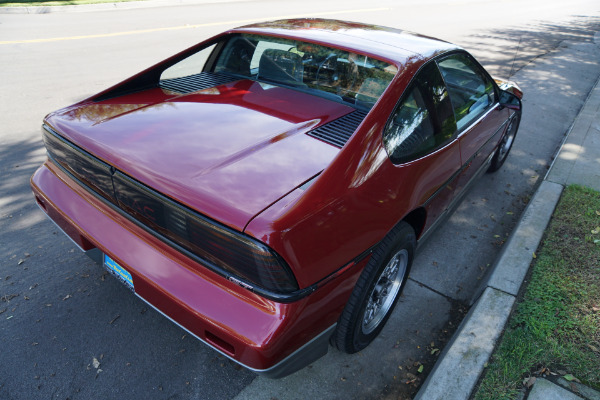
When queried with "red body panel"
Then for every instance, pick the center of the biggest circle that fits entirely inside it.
(476, 143)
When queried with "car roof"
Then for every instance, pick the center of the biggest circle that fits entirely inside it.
(398, 46)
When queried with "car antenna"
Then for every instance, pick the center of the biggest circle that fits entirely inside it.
(515, 57)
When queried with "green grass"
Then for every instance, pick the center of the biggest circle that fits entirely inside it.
(31, 3)
(556, 324)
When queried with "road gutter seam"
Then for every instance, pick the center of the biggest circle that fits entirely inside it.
(445, 296)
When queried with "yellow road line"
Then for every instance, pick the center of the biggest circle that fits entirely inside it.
(174, 28)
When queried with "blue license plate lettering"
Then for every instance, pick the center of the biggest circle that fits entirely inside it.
(119, 272)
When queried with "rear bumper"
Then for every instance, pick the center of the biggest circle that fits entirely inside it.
(270, 338)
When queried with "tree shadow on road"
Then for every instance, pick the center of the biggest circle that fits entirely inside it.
(497, 48)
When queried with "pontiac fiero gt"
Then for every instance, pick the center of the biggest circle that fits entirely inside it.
(266, 189)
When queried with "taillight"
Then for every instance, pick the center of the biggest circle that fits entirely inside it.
(90, 171)
(223, 248)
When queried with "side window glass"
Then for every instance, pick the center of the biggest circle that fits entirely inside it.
(191, 65)
(471, 91)
(423, 121)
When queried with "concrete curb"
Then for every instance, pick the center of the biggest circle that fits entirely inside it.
(463, 360)
(127, 5)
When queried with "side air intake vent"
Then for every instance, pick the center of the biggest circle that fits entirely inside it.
(193, 83)
(338, 132)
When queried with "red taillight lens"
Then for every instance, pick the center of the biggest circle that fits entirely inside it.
(90, 171)
(223, 248)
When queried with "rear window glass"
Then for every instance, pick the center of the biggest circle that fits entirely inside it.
(330, 72)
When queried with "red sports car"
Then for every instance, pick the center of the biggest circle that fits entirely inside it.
(266, 189)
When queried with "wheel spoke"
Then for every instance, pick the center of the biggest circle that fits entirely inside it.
(384, 291)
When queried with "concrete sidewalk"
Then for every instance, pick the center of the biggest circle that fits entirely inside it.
(458, 369)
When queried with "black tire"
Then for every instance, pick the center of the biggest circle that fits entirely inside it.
(506, 143)
(375, 294)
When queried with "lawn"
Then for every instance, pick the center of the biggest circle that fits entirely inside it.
(555, 328)
(31, 3)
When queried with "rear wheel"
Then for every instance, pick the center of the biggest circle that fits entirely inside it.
(506, 143)
(377, 291)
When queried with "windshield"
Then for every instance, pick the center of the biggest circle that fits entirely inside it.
(321, 70)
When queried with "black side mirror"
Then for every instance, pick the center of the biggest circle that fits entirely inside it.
(509, 100)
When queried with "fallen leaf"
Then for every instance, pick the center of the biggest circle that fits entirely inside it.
(8, 297)
(571, 378)
(529, 382)
(67, 297)
(574, 387)
(420, 370)
(534, 256)
(593, 348)
(596, 231)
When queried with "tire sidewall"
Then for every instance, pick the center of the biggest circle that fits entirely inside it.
(401, 237)
(497, 162)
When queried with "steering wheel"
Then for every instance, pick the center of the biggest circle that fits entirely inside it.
(327, 59)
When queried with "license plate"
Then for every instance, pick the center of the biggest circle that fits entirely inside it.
(119, 272)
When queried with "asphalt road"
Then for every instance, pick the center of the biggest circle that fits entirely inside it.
(67, 330)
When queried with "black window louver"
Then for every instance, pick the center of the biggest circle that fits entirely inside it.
(194, 83)
(338, 132)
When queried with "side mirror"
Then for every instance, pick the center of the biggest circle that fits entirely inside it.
(509, 100)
